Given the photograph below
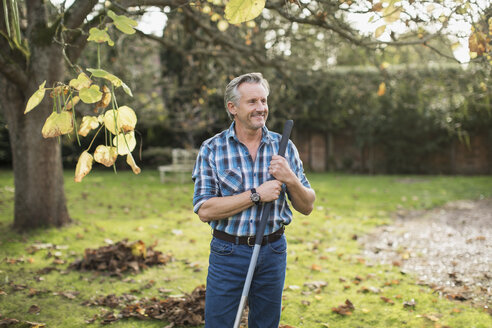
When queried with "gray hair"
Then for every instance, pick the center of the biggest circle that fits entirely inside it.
(233, 95)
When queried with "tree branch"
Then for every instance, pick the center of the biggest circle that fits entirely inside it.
(77, 13)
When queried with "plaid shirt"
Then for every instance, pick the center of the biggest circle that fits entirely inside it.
(225, 168)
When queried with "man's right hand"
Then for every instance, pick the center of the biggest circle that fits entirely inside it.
(270, 190)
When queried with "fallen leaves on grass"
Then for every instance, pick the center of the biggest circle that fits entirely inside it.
(120, 257)
(387, 300)
(179, 311)
(410, 304)
(34, 309)
(11, 321)
(344, 309)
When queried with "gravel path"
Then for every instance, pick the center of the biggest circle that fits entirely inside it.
(449, 248)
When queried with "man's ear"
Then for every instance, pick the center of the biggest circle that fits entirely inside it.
(231, 108)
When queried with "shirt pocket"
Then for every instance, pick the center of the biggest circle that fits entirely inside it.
(230, 182)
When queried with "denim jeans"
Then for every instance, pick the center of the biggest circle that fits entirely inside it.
(228, 266)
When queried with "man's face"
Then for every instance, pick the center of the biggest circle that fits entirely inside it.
(252, 110)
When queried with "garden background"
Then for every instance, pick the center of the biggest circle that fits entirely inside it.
(391, 127)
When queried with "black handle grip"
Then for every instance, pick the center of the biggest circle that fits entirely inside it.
(268, 206)
(285, 137)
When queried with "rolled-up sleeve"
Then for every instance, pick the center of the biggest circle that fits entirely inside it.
(205, 177)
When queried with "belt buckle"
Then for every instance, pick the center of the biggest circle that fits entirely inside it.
(251, 238)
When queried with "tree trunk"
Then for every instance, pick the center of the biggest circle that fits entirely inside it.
(38, 173)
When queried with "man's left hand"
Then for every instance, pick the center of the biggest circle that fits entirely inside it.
(280, 169)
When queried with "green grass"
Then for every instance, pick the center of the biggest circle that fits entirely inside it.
(321, 248)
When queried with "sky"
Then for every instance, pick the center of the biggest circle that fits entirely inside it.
(154, 20)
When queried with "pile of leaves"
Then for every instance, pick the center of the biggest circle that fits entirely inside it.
(188, 310)
(120, 257)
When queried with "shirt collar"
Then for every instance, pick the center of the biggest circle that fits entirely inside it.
(266, 138)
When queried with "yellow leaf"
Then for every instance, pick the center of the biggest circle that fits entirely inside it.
(222, 25)
(36, 98)
(391, 14)
(381, 89)
(123, 23)
(478, 43)
(100, 36)
(377, 6)
(215, 17)
(97, 72)
(72, 102)
(57, 124)
(127, 119)
(82, 81)
(138, 249)
(131, 161)
(105, 100)
(379, 31)
(238, 11)
(84, 166)
(385, 65)
(90, 95)
(125, 143)
(88, 123)
(105, 155)
(121, 120)
(110, 121)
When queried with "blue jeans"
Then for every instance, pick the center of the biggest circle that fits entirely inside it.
(228, 266)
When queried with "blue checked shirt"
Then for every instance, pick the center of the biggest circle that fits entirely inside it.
(225, 168)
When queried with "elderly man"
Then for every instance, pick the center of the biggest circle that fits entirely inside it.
(233, 178)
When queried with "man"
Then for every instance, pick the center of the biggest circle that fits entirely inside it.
(233, 178)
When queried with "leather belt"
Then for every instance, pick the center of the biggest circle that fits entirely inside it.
(248, 240)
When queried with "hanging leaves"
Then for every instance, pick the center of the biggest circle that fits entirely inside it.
(105, 155)
(36, 98)
(121, 120)
(84, 166)
(391, 13)
(57, 124)
(90, 95)
(116, 81)
(478, 42)
(88, 123)
(131, 161)
(125, 143)
(72, 102)
(100, 36)
(97, 72)
(123, 23)
(82, 81)
(379, 31)
(105, 100)
(239, 11)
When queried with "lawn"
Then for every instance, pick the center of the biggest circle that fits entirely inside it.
(325, 267)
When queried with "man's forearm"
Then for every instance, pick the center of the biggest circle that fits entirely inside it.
(302, 198)
(217, 208)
